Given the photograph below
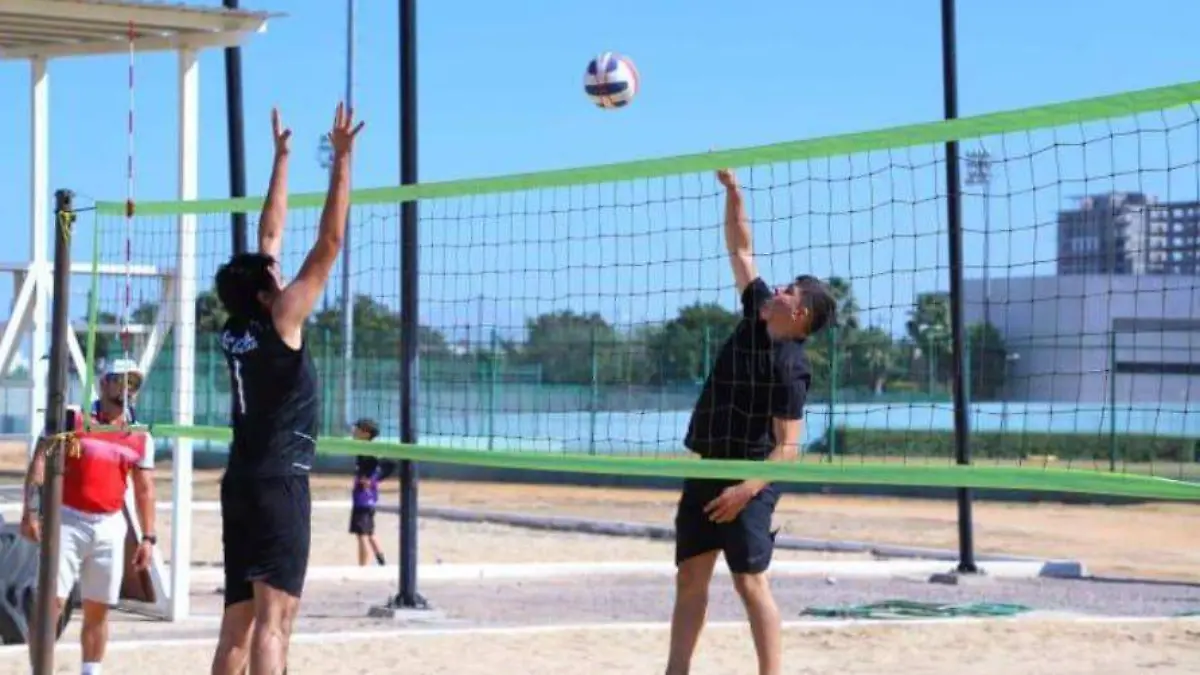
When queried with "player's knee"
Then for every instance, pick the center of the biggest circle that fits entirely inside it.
(694, 575)
(95, 615)
(752, 586)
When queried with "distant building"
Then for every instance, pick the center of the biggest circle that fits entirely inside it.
(1129, 233)
(1058, 330)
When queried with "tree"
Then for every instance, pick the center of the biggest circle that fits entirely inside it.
(108, 345)
(929, 328)
(871, 358)
(988, 361)
(686, 346)
(377, 331)
(568, 345)
(847, 305)
(210, 313)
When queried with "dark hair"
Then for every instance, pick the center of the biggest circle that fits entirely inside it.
(368, 426)
(816, 296)
(241, 279)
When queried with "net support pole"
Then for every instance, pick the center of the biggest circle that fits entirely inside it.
(185, 336)
(408, 597)
(962, 430)
(235, 119)
(45, 630)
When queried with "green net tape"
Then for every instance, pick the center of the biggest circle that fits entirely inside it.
(930, 476)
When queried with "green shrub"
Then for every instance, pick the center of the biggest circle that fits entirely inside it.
(929, 444)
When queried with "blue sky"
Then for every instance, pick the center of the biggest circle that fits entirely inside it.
(501, 92)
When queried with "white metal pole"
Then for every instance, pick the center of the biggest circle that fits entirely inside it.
(347, 292)
(185, 334)
(39, 364)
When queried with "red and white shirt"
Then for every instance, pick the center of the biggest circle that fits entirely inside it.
(95, 478)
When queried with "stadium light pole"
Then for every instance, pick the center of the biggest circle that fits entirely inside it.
(962, 429)
(235, 119)
(325, 160)
(979, 172)
(347, 294)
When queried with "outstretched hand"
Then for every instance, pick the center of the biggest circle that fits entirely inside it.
(344, 131)
(727, 178)
(282, 135)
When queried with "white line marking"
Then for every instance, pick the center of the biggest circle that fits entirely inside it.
(505, 631)
(845, 569)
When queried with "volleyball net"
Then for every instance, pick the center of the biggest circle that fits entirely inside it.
(568, 319)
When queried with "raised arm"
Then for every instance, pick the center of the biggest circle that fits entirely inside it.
(738, 241)
(274, 213)
(296, 302)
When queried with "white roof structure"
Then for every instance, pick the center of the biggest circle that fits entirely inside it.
(48, 29)
(40, 31)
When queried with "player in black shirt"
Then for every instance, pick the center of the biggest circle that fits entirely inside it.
(751, 407)
(266, 507)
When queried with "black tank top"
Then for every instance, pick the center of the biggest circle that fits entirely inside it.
(275, 401)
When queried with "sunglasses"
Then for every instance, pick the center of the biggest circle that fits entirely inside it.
(131, 381)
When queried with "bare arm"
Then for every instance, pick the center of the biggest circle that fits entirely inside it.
(143, 498)
(787, 447)
(274, 213)
(738, 241)
(298, 299)
(35, 475)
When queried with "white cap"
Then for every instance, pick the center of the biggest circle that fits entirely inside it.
(122, 367)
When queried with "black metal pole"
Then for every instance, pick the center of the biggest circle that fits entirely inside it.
(962, 430)
(409, 307)
(45, 631)
(237, 136)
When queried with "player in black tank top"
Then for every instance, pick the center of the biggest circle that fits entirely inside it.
(276, 406)
(266, 507)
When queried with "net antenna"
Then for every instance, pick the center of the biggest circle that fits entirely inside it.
(127, 301)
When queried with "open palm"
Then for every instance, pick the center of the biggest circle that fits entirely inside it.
(344, 131)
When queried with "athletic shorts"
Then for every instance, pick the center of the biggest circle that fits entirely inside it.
(91, 553)
(267, 532)
(362, 520)
(748, 542)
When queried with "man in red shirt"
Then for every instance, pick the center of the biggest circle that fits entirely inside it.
(92, 543)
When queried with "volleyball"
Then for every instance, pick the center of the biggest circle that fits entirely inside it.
(611, 80)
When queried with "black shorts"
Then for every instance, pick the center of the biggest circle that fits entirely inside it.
(362, 520)
(267, 531)
(748, 542)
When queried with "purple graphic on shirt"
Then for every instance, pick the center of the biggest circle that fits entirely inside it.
(368, 473)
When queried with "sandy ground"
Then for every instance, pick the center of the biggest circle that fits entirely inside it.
(1155, 540)
(447, 542)
(998, 648)
(1159, 541)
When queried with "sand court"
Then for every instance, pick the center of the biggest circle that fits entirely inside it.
(1030, 646)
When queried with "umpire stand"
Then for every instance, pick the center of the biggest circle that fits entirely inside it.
(36, 32)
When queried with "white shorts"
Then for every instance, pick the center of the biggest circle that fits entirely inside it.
(92, 553)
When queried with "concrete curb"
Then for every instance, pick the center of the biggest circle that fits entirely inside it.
(1059, 569)
(831, 569)
(666, 533)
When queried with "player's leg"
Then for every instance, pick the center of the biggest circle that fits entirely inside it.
(749, 544)
(697, 545)
(361, 534)
(232, 655)
(279, 572)
(100, 576)
(369, 527)
(74, 540)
